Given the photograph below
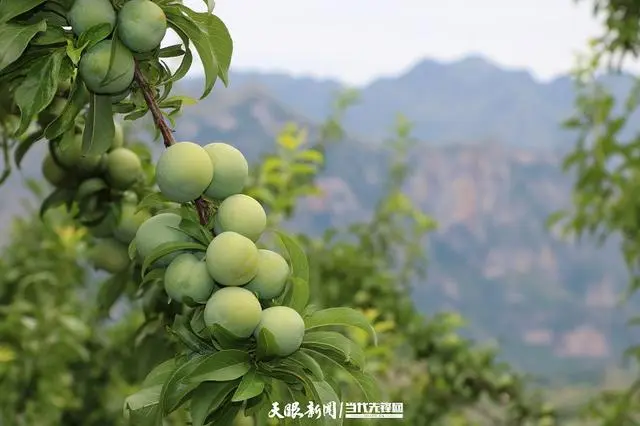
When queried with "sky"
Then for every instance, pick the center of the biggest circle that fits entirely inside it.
(356, 41)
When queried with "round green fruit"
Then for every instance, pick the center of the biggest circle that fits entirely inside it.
(235, 309)
(242, 420)
(183, 172)
(141, 25)
(242, 214)
(232, 259)
(69, 152)
(54, 174)
(272, 275)
(109, 255)
(157, 230)
(123, 168)
(187, 276)
(94, 69)
(230, 170)
(287, 327)
(85, 14)
(129, 222)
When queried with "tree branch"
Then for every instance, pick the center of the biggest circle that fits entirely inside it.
(165, 131)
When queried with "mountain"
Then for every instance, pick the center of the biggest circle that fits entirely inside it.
(486, 167)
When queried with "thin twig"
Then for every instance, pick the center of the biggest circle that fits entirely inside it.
(165, 131)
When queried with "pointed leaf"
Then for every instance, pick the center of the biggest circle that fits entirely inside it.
(252, 385)
(297, 294)
(307, 362)
(297, 256)
(143, 406)
(222, 366)
(57, 197)
(14, 39)
(340, 317)
(177, 388)
(10, 9)
(25, 145)
(78, 98)
(99, 128)
(209, 397)
(168, 248)
(38, 88)
(160, 373)
(335, 345)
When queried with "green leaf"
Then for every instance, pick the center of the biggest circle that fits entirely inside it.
(252, 385)
(14, 39)
(308, 363)
(38, 88)
(94, 35)
(168, 248)
(209, 397)
(327, 395)
(333, 344)
(78, 98)
(194, 230)
(340, 317)
(220, 40)
(132, 251)
(226, 414)
(58, 197)
(182, 329)
(211, 4)
(53, 35)
(143, 405)
(222, 366)
(365, 382)
(177, 388)
(267, 344)
(297, 294)
(10, 9)
(297, 256)
(225, 339)
(152, 201)
(99, 128)
(160, 373)
(25, 145)
(110, 291)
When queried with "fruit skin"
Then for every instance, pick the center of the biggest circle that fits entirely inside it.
(272, 275)
(109, 255)
(235, 309)
(123, 168)
(70, 155)
(157, 230)
(242, 214)
(85, 14)
(142, 25)
(55, 174)
(94, 66)
(129, 223)
(187, 276)
(183, 172)
(242, 420)
(287, 327)
(230, 170)
(232, 259)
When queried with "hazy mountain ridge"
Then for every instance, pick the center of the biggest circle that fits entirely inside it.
(551, 304)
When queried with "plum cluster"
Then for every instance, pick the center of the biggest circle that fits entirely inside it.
(140, 26)
(233, 276)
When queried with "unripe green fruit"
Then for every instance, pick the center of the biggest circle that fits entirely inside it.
(129, 223)
(54, 174)
(94, 66)
(287, 327)
(85, 14)
(109, 255)
(232, 259)
(183, 172)
(235, 309)
(242, 214)
(157, 230)
(272, 275)
(70, 155)
(230, 170)
(118, 136)
(141, 25)
(187, 276)
(242, 420)
(123, 168)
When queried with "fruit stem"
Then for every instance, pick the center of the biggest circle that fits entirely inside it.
(165, 131)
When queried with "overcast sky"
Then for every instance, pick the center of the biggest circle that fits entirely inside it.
(358, 40)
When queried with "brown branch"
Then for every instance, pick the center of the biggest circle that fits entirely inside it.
(165, 131)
